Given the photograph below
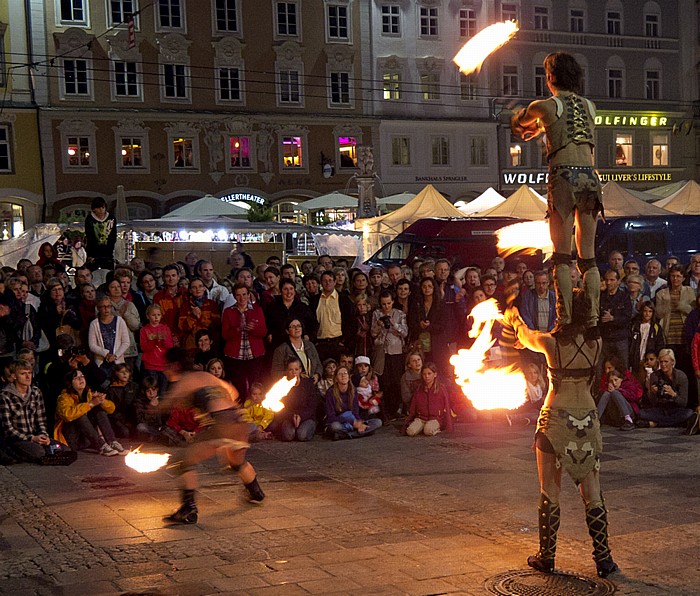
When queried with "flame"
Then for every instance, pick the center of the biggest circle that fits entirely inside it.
(527, 237)
(146, 462)
(483, 44)
(274, 396)
(487, 388)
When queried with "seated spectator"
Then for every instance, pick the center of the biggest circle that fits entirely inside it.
(366, 382)
(108, 337)
(182, 427)
(127, 311)
(296, 347)
(328, 377)
(122, 392)
(150, 417)
(668, 397)
(343, 412)
(55, 316)
(79, 415)
(411, 378)
(624, 391)
(258, 414)
(23, 418)
(204, 352)
(430, 407)
(156, 339)
(282, 309)
(535, 392)
(87, 310)
(297, 420)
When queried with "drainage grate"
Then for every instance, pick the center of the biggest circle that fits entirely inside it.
(533, 583)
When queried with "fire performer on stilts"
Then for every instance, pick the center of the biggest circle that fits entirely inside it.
(225, 435)
(573, 190)
(568, 432)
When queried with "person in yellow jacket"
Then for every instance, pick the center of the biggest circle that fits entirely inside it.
(257, 414)
(80, 412)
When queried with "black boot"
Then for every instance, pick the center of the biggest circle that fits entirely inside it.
(256, 493)
(548, 524)
(597, 520)
(187, 513)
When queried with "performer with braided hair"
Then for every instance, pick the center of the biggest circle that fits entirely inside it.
(573, 189)
(568, 433)
(225, 435)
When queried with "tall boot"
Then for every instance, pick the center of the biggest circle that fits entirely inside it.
(187, 513)
(548, 524)
(256, 493)
(564, 291)
(597, 521)
(591, 287)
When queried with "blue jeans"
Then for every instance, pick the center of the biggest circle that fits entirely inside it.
(618, 399)
(341, 426)
(666, 417)
(304, 432)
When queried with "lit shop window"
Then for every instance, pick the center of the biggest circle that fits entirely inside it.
(11, 220)
(347, 147)
(183, 153)
(132, 152)
(392, 85)
(659, 150)
(516, 156)
(292, 152)
(79, 152)
(623, 150)
(239, 152)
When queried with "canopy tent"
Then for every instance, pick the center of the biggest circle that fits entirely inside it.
(524, 203)
(26, 245)
(618, 202)
(206, 207)
(333, 200)
(486, 200)
(394, 200)
(666, 190)
(377, 231)
(643, 195)
(685, 201)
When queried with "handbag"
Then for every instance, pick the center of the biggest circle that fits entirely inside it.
(28, 334)
(64, 329)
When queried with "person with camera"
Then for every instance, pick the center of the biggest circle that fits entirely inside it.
(389, 330)
(668, 396)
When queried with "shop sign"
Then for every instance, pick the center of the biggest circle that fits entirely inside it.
(442, 179)
(635, 176)
(243, 196)
(630, 119)
(530, 178)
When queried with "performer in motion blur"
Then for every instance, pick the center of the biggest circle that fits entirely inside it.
(573, 190)
(225, 435)
(568, 433)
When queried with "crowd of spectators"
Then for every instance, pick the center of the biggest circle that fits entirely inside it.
(84, 364)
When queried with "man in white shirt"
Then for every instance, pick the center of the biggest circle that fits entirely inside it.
(215, 291)
(652, 272)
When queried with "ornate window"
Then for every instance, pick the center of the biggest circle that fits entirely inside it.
(338, 25)
(75, 80)
(227, 16)
(170, 16)
(126, 76)
(541, 18)
(287, 19)
(440, 147)
(511, 80)
(293, 149)
(340, 76)
(478, 151)
(467, 22)
(183, 148)
(174, 61)
(131, 147)
(229, 71)
(577, 20)
(290, 74)
(391, 19)
(428, 21)
(72, 13)
(78, 147)
(120, 10)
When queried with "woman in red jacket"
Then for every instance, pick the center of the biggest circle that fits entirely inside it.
(430, 406)
(243, 331)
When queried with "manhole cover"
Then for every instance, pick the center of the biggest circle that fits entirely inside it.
(532, 583)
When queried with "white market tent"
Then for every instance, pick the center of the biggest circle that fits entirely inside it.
(333, 200)
(619, 202)
(661, 192)
(206, 207)
(685, 201)
(486, 200)
(524, 203)
(377, 231)
(396, 200)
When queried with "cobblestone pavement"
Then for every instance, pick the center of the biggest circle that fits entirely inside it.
(382, 515)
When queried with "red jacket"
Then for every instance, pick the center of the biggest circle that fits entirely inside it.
(155, 341)
(184, 419)
(630, 389)
(231, 330)
(170, 305)
(695, 351)
(429, 404)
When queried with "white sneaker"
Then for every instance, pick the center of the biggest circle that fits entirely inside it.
(107, 451)
(117, 446)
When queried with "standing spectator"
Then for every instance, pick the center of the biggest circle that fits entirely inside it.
(100, 235)
(156, 340)
(615, 263)
(538, 307)
(646, 336)
(272, 281)
(215, 291)
(425, 323)
(343, 411)
(615, 317)
(342, 284)
(23, 418)
(693, 277)
(35, 277)
(198, 312)
(652, 271)
(403, 296)
(298, 418)
(108, 337)
(359, 284)
(284, 307)
(311, 291)
(333, 315)
(359, 339)
(170, 298)
(430, 407)
(87, 310)
(326, 262)
(127, 311)
(634, 284)
(146, 292)
(243, 331)
(393, 272)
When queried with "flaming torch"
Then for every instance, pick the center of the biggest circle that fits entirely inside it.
(487, 388)
(273, 398)
(146, 462)
(527, 237)
(483, 44)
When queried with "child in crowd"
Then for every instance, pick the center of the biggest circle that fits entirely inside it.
(625, 393)
(258, 415)
(411, 379)
(181, 427)
(149, 416)
(156, 339)
(362, 322)
(651, 365)
(366, 382)
(535, 392)
(430, 408)
(329, 368)
(204, 352)
(123, 392)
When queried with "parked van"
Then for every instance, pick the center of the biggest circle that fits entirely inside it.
(645, 237)
(464, 241)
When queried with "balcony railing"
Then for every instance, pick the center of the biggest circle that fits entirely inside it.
(600, 40)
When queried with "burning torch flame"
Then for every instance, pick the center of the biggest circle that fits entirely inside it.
(483, 44)
(527, 237)
(274, 396)
(487, 388)
(146, 462)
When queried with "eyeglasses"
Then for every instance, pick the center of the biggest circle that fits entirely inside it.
(295, 326)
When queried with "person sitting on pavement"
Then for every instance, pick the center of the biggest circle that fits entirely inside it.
(23, 418)
(411, 378)
(79, 415)
(624, 392)
(257, 414)
(430, 407)
(646, 335)
(343, 411)
(122, 391)
(668, 397)
(297, 420)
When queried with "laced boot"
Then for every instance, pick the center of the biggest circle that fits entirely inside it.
(548, 524)
(254, 491)
(187, 513)
(564, 292)
(597, 521)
